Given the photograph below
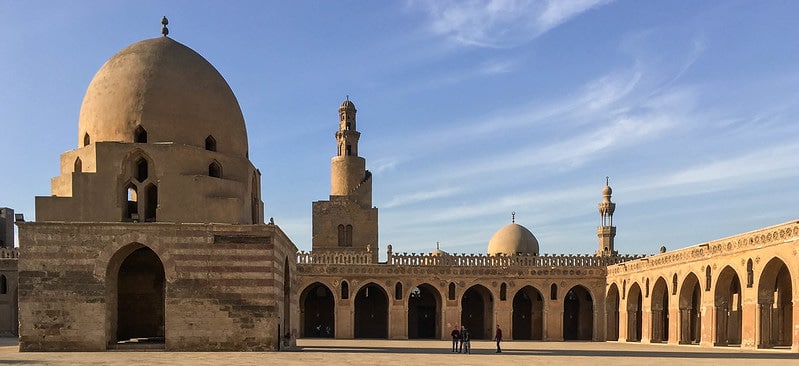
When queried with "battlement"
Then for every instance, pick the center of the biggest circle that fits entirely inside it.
(774, 235)
(465, 260)
(9, 253)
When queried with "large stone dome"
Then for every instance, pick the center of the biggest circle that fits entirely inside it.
(169, 90)
(513, 239)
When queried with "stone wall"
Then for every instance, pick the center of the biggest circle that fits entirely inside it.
(222, 291)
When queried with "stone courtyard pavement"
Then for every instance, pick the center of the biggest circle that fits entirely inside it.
(381, 352)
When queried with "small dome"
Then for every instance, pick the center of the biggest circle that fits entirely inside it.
(347, 104)
(438, 252)
(513, 239)
(607, 191)
(169, 90)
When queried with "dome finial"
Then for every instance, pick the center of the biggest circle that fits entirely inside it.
(437, 248)
(513, 217)
(164, 29)
(607, 180)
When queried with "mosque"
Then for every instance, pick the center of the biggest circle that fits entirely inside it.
(153, 236)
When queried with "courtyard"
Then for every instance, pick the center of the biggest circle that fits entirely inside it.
(429, 352)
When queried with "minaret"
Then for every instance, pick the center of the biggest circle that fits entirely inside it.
(606, 232)
(348, 174)
(347, 222)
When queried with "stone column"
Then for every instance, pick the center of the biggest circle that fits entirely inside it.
(749, 325)
(646, 325)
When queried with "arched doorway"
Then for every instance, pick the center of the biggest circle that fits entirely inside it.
(634, 313)
(528, 314)
(776, 307)
(140, 285)
(371, 312)
(612, 313)
(727, 302)
(317, 312)
(578, 314)
(477, 308)
(690, 312)
(424, 305)
(660, 311)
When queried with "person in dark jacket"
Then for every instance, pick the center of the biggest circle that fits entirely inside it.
(456, 337)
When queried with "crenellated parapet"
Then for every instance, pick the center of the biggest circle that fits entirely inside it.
(9, 253)
(773, 235)
(463, 259)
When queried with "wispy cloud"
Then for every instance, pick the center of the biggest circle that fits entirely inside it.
(421, 196)
(499, 23)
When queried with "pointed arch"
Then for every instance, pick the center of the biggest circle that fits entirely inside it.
(151, 202)
(140, 135)
(634, 313)
(86, 139)
(477, 311)
(424, 307)
(371, 312)
(503, 292)
(727, 303)
(345, 290)
(578, 314)
(135, 295)
(210, 143)
(141, 169)
(131, 199)
(612, 302)
(215, 169)
(776, 307)
(398, 291)
(690, 302)
(660, 311)
(451, 291)
(78, 168)
(317, 309)
(528, 314)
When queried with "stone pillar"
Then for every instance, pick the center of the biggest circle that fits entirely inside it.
(656, 325)
(749, 325)
(706, 320)
(345, 313)
(397, 320)
(624, 325)
(764, 325)
(674, 325)
(795, 326)
(451, 319)
(503, 317)
(646, 325)
(553, 316)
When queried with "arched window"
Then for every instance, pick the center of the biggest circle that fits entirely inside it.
(215, 170)
(708, 278)
(553, 292)
(674, 284)
(451, 291)
(131, 203)
(151, 202)
(210, 143)
(623, 289)
(503, 292)
(345, 290)
(349, 150)
(398, 291)
(78, 166)
(3, 285)
(142, 170)
(647, 288)
(750, 273)
(348, 236)
(140, 135)
(341, 235)
(86, 139)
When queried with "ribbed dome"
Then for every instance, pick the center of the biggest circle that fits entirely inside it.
(347, 104)
(171, 91)
(513, 239)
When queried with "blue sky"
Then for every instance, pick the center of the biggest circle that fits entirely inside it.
(468, 110)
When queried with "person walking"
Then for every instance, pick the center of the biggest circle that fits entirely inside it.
(498, 337)
(456, 337)
(466, 340)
